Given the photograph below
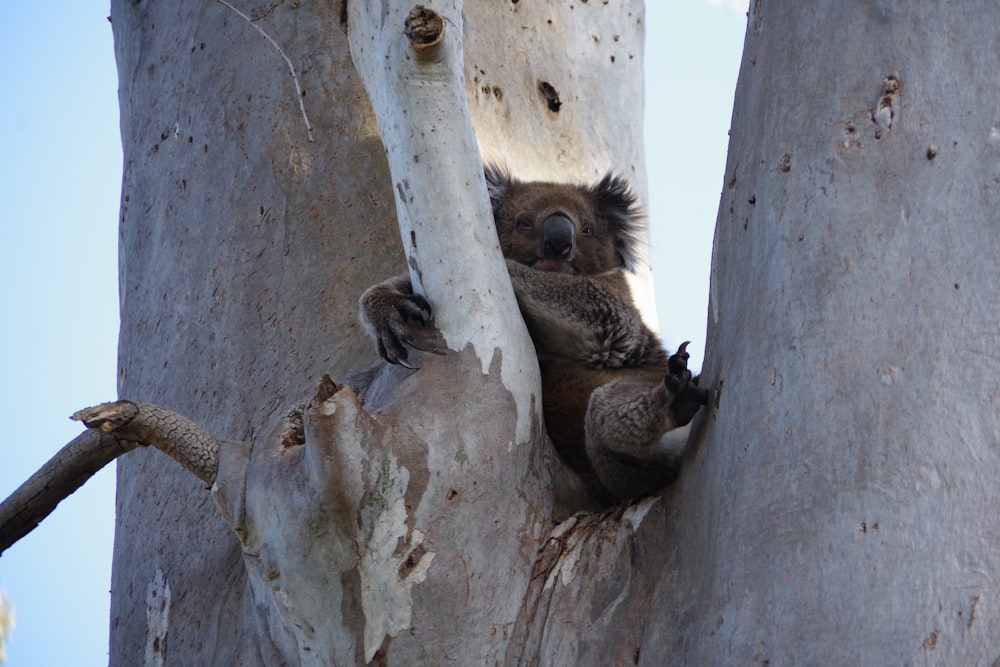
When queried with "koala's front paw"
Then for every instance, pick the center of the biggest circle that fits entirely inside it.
(401, 328)
(397, 320)
(687, 395)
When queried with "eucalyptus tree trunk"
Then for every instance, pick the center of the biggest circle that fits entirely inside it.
(840, 508)
(241, 239)
(397, 520)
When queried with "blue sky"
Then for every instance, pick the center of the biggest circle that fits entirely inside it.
(60, 178)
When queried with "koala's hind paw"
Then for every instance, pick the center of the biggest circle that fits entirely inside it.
(677, 364)
(688, 396)
(686, 390)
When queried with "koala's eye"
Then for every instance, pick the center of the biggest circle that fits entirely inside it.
(587, 230)
(523, 222)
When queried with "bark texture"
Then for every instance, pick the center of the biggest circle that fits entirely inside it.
(173, 434)
(240, 243)
(844, 488)
(61, 475)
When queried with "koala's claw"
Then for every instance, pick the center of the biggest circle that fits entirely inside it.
(688, 396)
(686, 389)
(391, 349)
(677, 364)
(416, 308)
(409, 326)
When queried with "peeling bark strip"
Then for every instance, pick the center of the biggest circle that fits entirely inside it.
(387, 577)
(115, 428)
(337, 508)
(157, 620)
(582, 555)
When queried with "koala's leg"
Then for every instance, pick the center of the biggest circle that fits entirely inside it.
(626, 422)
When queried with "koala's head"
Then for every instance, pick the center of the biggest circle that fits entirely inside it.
(566, 228)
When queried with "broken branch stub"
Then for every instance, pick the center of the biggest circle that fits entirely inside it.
(424, 28)
(173, 434)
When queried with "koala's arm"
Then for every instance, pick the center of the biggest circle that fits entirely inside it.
(396, 318)
(590, 319)
(627, 426)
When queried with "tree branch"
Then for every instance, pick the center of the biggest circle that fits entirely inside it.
(114, 428)
(173, 434)
(61, 475)
(410, 59)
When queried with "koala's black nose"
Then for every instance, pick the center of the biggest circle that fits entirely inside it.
(557, 236)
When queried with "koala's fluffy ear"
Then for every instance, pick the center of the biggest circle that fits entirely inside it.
(498, 182)
(615, 203)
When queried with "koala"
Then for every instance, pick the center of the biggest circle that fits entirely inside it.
(610, 391)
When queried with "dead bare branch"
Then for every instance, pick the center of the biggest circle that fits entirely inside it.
(61, 475)
(173, 434)
(113, 429)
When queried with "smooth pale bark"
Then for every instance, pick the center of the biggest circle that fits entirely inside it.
(416, 86)
(556, 93)
(244, 247)
(843, 499)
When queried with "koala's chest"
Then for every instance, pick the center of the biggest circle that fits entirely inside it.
(611, 345)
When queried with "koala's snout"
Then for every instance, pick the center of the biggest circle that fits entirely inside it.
(557, 237)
